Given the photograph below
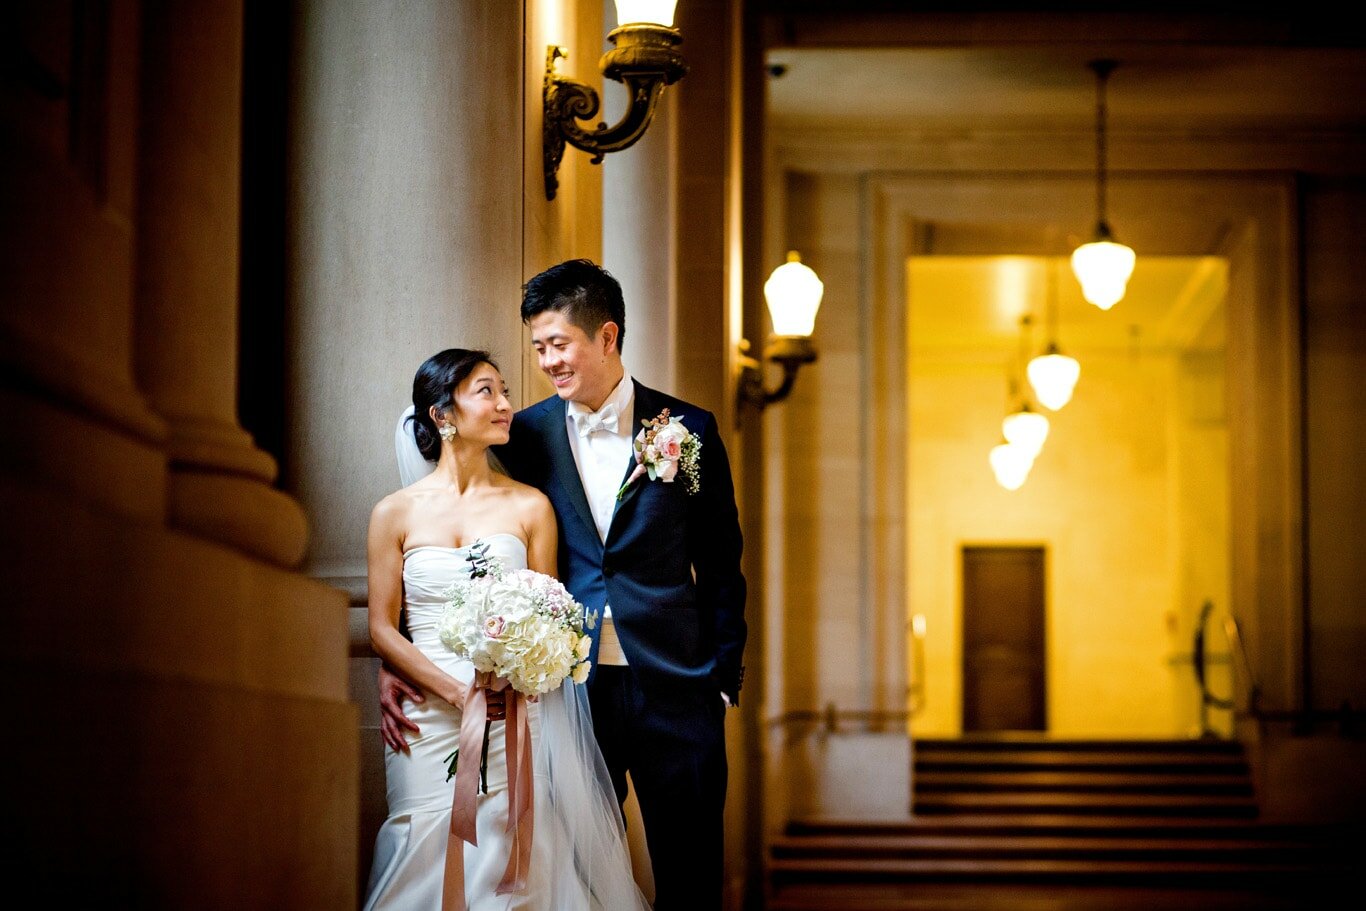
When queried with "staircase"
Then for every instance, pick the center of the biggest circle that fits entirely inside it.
(1028, 823)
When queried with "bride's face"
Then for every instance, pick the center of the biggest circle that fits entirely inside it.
(483, 412)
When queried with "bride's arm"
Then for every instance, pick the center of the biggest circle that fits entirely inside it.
(385, 556)
(542, 536)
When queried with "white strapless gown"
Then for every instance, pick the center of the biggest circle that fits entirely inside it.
(410, 848)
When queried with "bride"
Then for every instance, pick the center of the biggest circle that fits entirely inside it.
(419, 543)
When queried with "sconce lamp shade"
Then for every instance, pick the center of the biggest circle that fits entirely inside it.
(659, 12)
(1027, 429)
(1011, 464)
(793, 292)
(1103, 267)
(1053, 375)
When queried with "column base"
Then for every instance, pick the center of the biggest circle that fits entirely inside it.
(240, 512)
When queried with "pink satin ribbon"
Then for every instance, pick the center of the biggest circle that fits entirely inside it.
(465, 805)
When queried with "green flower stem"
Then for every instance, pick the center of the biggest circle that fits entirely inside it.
(484, 758)
(451, 760)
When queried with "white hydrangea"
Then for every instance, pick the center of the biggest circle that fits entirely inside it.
(523, 626)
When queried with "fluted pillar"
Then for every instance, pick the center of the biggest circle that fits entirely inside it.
(74, 420)
(405, 238)
(197, 749)
(406, 230)
(188, 204)
(638, 236)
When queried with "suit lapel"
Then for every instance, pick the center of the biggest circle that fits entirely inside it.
(565, 471)
(642, 410)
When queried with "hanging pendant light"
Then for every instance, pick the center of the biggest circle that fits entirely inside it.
(1103, 266)
(1053, 375)
(1010, 464)
(1025, 428)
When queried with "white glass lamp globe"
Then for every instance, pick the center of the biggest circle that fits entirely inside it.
(1011, 464)
(793, 292)
(1053, 376)
(1103, 267)
(1026, 428)
(657, 12)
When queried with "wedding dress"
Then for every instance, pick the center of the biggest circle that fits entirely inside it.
(579, 858)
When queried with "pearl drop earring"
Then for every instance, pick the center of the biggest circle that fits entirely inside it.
(448, 432)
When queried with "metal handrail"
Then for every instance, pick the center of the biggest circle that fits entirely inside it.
(1239, 649)
(1349, 719)
(1201, 662)
(915, 693)
(834, 720)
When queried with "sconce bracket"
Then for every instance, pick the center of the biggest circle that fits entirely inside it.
(644, 59)
(789, 351)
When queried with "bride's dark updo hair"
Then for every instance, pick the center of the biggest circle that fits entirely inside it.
(435, 384)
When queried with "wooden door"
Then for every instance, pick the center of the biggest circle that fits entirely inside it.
(1003, 639)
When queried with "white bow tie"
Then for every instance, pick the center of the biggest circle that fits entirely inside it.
(588, 423)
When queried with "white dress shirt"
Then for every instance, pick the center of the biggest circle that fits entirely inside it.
(601, 443)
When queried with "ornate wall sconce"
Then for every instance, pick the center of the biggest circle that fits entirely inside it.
(644, 58)
(793, 293)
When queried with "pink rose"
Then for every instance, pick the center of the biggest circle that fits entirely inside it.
(669, 440)
(493, 627)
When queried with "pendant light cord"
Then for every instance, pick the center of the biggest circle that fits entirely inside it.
(1052, 304)
(1021, 366)
(1102, 69)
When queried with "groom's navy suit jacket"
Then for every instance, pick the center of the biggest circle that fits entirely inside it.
(670, 567)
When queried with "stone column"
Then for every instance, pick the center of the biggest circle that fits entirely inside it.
(638, 236)
(197, 733)
(187, 260)
(74, 420)
(406, 236)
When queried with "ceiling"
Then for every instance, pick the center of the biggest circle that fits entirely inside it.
(1185, 89)
(1044, 85)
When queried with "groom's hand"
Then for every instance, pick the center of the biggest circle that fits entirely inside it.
(392, 721)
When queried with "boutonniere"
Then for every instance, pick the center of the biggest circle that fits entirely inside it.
(664, 448)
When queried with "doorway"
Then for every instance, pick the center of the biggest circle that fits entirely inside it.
(1003, 639)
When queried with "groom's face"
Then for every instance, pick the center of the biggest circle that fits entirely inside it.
(582, 368)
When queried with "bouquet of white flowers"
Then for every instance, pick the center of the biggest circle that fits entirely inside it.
(520, 625)
(522, 630)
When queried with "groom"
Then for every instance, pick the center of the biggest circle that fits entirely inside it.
(660, 564)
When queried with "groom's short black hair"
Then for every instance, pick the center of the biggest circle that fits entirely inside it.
(586, 293)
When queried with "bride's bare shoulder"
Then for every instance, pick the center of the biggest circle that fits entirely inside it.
(525, 496)
(397, 506)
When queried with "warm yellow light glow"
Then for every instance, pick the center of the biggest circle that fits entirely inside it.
(1026, 429)
(1010, 463)
(660, 12)
(1011, 279)
(1103, 267)
(1053, 375)
(794, 294)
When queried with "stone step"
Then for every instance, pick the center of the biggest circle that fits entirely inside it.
(921, 896)
(1043, 760)
(1027, 742)
(1060, 825)
(1052, 802)
(1212, 873)
(1113, 782)
(990, 846)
